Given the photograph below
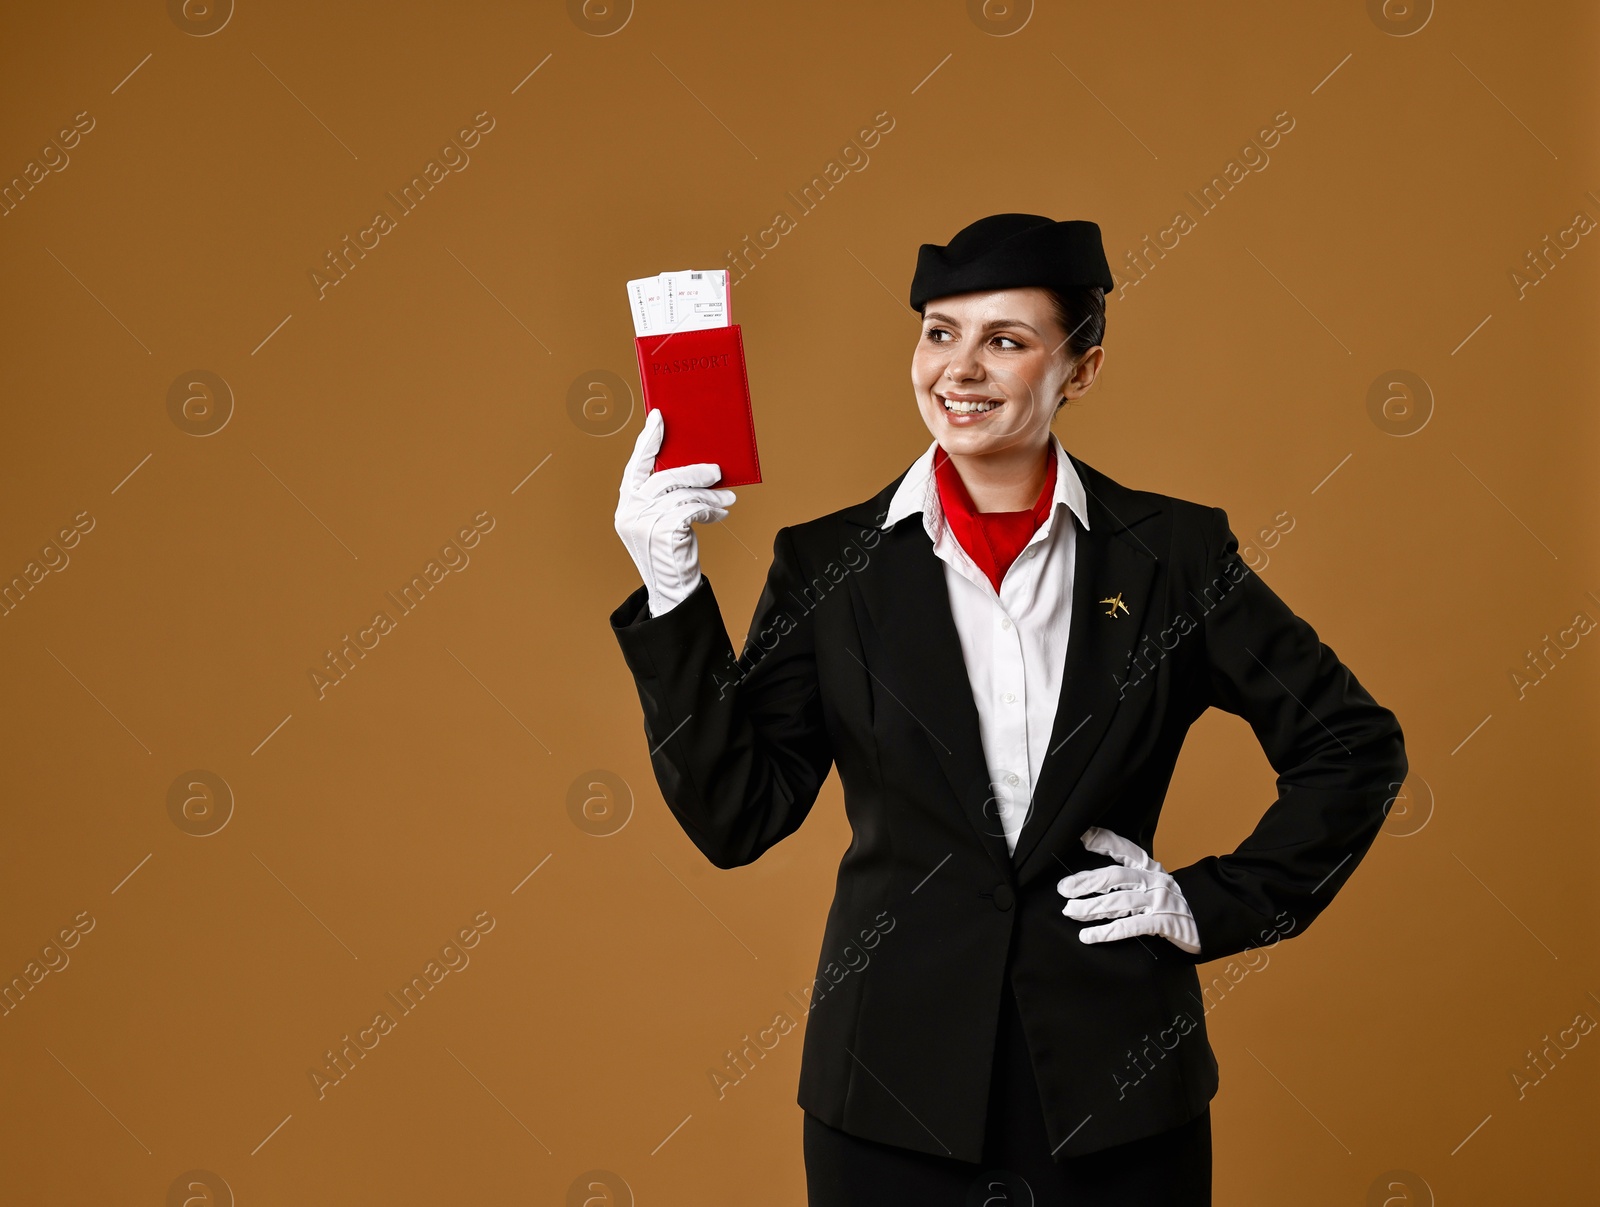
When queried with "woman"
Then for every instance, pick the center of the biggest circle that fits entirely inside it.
(1001, 652)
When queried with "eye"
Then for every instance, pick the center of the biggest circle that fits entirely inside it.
(1014, 343)
(931, 332)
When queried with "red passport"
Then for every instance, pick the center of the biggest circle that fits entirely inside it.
(697, 380)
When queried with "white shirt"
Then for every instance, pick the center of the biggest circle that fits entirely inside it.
(1014, 642)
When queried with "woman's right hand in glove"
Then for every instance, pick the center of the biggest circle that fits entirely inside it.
(655, 514)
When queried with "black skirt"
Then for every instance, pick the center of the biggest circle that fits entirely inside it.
(1169, 1169)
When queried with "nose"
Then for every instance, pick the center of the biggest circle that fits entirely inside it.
(962, 366)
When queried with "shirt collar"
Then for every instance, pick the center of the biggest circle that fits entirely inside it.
(918, 491)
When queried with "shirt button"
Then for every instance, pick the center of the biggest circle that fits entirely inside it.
(1009, 697)
(1006, 623)
(1030, 553)
(1013, 779)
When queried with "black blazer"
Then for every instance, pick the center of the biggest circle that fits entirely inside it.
(853, 660)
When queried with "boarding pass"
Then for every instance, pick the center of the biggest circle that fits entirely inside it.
(691, 300)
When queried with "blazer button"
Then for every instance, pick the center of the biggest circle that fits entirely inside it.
(1004, 898)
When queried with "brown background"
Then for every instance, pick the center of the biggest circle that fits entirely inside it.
(370, 425)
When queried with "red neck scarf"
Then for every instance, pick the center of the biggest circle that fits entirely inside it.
(992, 539)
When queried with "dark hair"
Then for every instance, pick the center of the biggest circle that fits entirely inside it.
(1082, 315)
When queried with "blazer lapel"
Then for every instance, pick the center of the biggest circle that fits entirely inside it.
(923, 670)
(1113, 563)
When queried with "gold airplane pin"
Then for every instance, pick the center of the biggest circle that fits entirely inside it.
(1116, 602)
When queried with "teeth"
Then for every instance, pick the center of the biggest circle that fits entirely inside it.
(968, 408)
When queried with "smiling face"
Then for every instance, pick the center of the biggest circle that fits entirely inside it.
(991, 367)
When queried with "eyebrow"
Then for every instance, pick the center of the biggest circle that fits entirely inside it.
(935, 317)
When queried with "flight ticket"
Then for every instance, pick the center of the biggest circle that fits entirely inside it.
(691, 300)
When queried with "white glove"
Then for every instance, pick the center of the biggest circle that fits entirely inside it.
(1139, 893)
(654, 514)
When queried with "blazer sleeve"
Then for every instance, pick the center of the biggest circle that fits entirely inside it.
(738, 746)
(1339, 756)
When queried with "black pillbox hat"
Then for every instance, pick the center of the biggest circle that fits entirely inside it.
(1012, 251)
